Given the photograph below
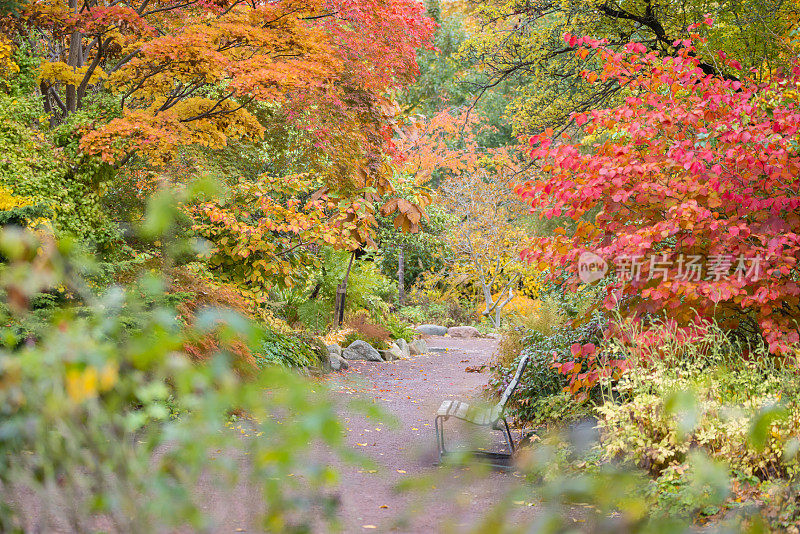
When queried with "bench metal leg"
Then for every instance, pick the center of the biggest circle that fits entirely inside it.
(439, 427)
(439, 424)
(509, 439)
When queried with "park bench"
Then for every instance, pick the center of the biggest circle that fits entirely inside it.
(491, 417)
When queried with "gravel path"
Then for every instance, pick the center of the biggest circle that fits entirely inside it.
(411, 390)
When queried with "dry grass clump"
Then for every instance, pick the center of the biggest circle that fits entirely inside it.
(364, 329)
(545, 315)
(207, 294)
(509, 347)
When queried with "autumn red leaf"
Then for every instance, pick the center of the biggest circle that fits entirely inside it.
(692, 168)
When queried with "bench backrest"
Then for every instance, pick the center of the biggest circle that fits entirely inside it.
(523, 363)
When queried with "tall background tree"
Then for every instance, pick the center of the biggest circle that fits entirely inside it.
(520, 43)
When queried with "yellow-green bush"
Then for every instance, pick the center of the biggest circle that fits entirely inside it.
(656, 431)
(702, 392)
(535, 315)
(35, 165)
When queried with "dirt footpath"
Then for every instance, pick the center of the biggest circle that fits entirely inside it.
(411, 390)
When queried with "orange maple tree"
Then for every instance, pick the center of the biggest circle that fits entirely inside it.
(188, 72)
(171, 74)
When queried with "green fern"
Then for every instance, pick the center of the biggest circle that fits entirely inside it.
(314, 314)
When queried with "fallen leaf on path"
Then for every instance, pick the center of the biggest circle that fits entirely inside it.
(383, 506)
(475, 369)
(401, 471)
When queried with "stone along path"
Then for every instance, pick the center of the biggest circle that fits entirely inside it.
(411, 390)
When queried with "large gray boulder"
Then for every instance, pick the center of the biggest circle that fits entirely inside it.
(431, 329)
(403, 346)
(337, 362)
(463, 331)
(418, 346)
(392, 353)
(361, 350)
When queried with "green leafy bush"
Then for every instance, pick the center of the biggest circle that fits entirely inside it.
(702, 392)
(397, 327)
(540, 380)
(37, 167)
(572, 486)
(781, 505)
(683, 491)
(313, 314)
(449, 312)
(367, 288)
(716, 430)
(106, 424)
(288, 350)
(557, 410)
(423, 251)
(414, 314)
(653, 431)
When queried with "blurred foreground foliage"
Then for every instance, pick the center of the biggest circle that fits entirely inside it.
(107, 424)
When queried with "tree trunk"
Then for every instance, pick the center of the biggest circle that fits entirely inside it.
(74, 60)
(341, 294)
(338, 309)
(48, 108)
(498, 311)
(497, 306)
(401, 276)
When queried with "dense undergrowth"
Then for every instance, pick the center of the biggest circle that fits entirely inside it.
(711, 420)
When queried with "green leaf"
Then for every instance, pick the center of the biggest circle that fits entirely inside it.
(683, 405)
(161, 213)
(761, 423)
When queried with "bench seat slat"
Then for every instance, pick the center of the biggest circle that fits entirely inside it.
(472, 414)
